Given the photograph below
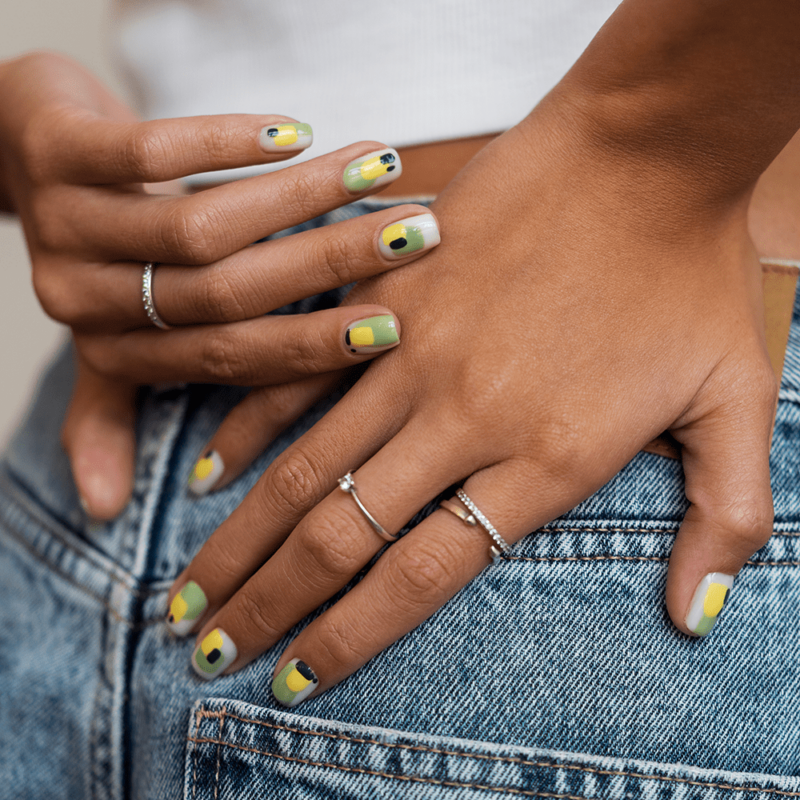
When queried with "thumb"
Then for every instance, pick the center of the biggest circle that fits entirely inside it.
(99, 437)
(726, 464)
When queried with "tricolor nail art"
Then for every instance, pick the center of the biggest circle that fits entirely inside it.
(286, 136)
(185, 608)
(214, 653)
(709, 598)
(372, 334)
(294, 683)
(374, 169)
(206, 473)
(409, 236)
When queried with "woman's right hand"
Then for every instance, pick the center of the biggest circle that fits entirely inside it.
(74, 162)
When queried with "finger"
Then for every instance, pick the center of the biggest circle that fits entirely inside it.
(99, 437)
(96, 150)
(214, 223)
(296, 481)
(257, 352)
(252, 425)
(726, 463)
(329, 547)
(251, 282)
(410, 582)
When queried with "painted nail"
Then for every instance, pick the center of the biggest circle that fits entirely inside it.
(375, 169)
(294, 683)
(371, 335)
(213, 654)
(206, 473)
(185, 608)
(709, 598)
(286, 136)
(409, 236)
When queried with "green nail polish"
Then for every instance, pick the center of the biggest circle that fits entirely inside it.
(371, 334)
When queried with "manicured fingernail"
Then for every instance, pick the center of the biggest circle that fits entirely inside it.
(372, 334)
(213, 654)
(206, 473)
(708, 600)
(185, 608)
(375, 169)
(286, 136)
(409, 236)
(294, 683)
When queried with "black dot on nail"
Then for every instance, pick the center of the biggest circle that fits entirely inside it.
(387, 158)
(214, 656)
(398, 244)
(351, 350)
(170, 618)
(272, 132)
(347, 336)
(389, 169)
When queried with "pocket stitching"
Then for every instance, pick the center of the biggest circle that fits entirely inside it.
(203, 713)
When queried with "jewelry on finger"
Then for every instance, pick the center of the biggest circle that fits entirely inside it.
(502, 547)
(449, 505)
(147, 297)
(347, 484)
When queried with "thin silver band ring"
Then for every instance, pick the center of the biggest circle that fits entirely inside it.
(347, 484)
(502, 547)
(147, 297)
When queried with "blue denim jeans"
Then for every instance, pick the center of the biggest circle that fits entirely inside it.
(555, 673)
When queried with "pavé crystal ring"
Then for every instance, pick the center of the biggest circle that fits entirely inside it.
(347, 484)
(147, 297)
(500, 547)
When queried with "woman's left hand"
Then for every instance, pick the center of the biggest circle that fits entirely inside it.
(569, 316)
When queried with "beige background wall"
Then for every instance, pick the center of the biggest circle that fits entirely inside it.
(28, 337)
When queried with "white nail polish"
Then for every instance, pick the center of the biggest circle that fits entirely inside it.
(286, 137)
(373, 169)
(410, 235)
(709, 598)
(206, 473)
(215, 653)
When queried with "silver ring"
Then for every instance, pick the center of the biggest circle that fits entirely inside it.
(449, 505)
(502, 547)
(147, 297)
(347, 484)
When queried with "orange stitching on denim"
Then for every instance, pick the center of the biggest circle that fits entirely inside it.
(484, 757)
(408, 778)
(638, 558)
(219, 753)
(196, 727)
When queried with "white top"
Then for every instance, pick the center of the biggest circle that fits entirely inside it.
(399, 71)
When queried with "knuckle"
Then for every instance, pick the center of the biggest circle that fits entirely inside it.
(332, 541)
(60, 298)
(299, 198)
(303, 351)
(186, 233)
(218, 297)
(296, 484)
(336, 261)
(254, 616)
(422, 573)
(143, 153)
(222, 358)
(748, 520)
(340, 644)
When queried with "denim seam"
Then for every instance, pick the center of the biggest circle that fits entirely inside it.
(408, 778)
(203, 713)
(120, 577)
(639, 558)
(219, 753)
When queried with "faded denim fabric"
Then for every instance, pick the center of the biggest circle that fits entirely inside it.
(556, 673)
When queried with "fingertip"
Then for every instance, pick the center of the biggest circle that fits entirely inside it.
(206, 474)
(372, 334)
(409, 237)
(104, 481)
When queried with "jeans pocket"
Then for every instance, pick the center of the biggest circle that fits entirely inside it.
(238, 750)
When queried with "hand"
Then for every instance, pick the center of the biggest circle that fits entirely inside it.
(576, 309)
(74, 164)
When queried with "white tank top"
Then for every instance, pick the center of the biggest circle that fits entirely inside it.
(402, 72)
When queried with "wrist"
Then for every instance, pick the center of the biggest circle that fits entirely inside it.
(702, 94)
